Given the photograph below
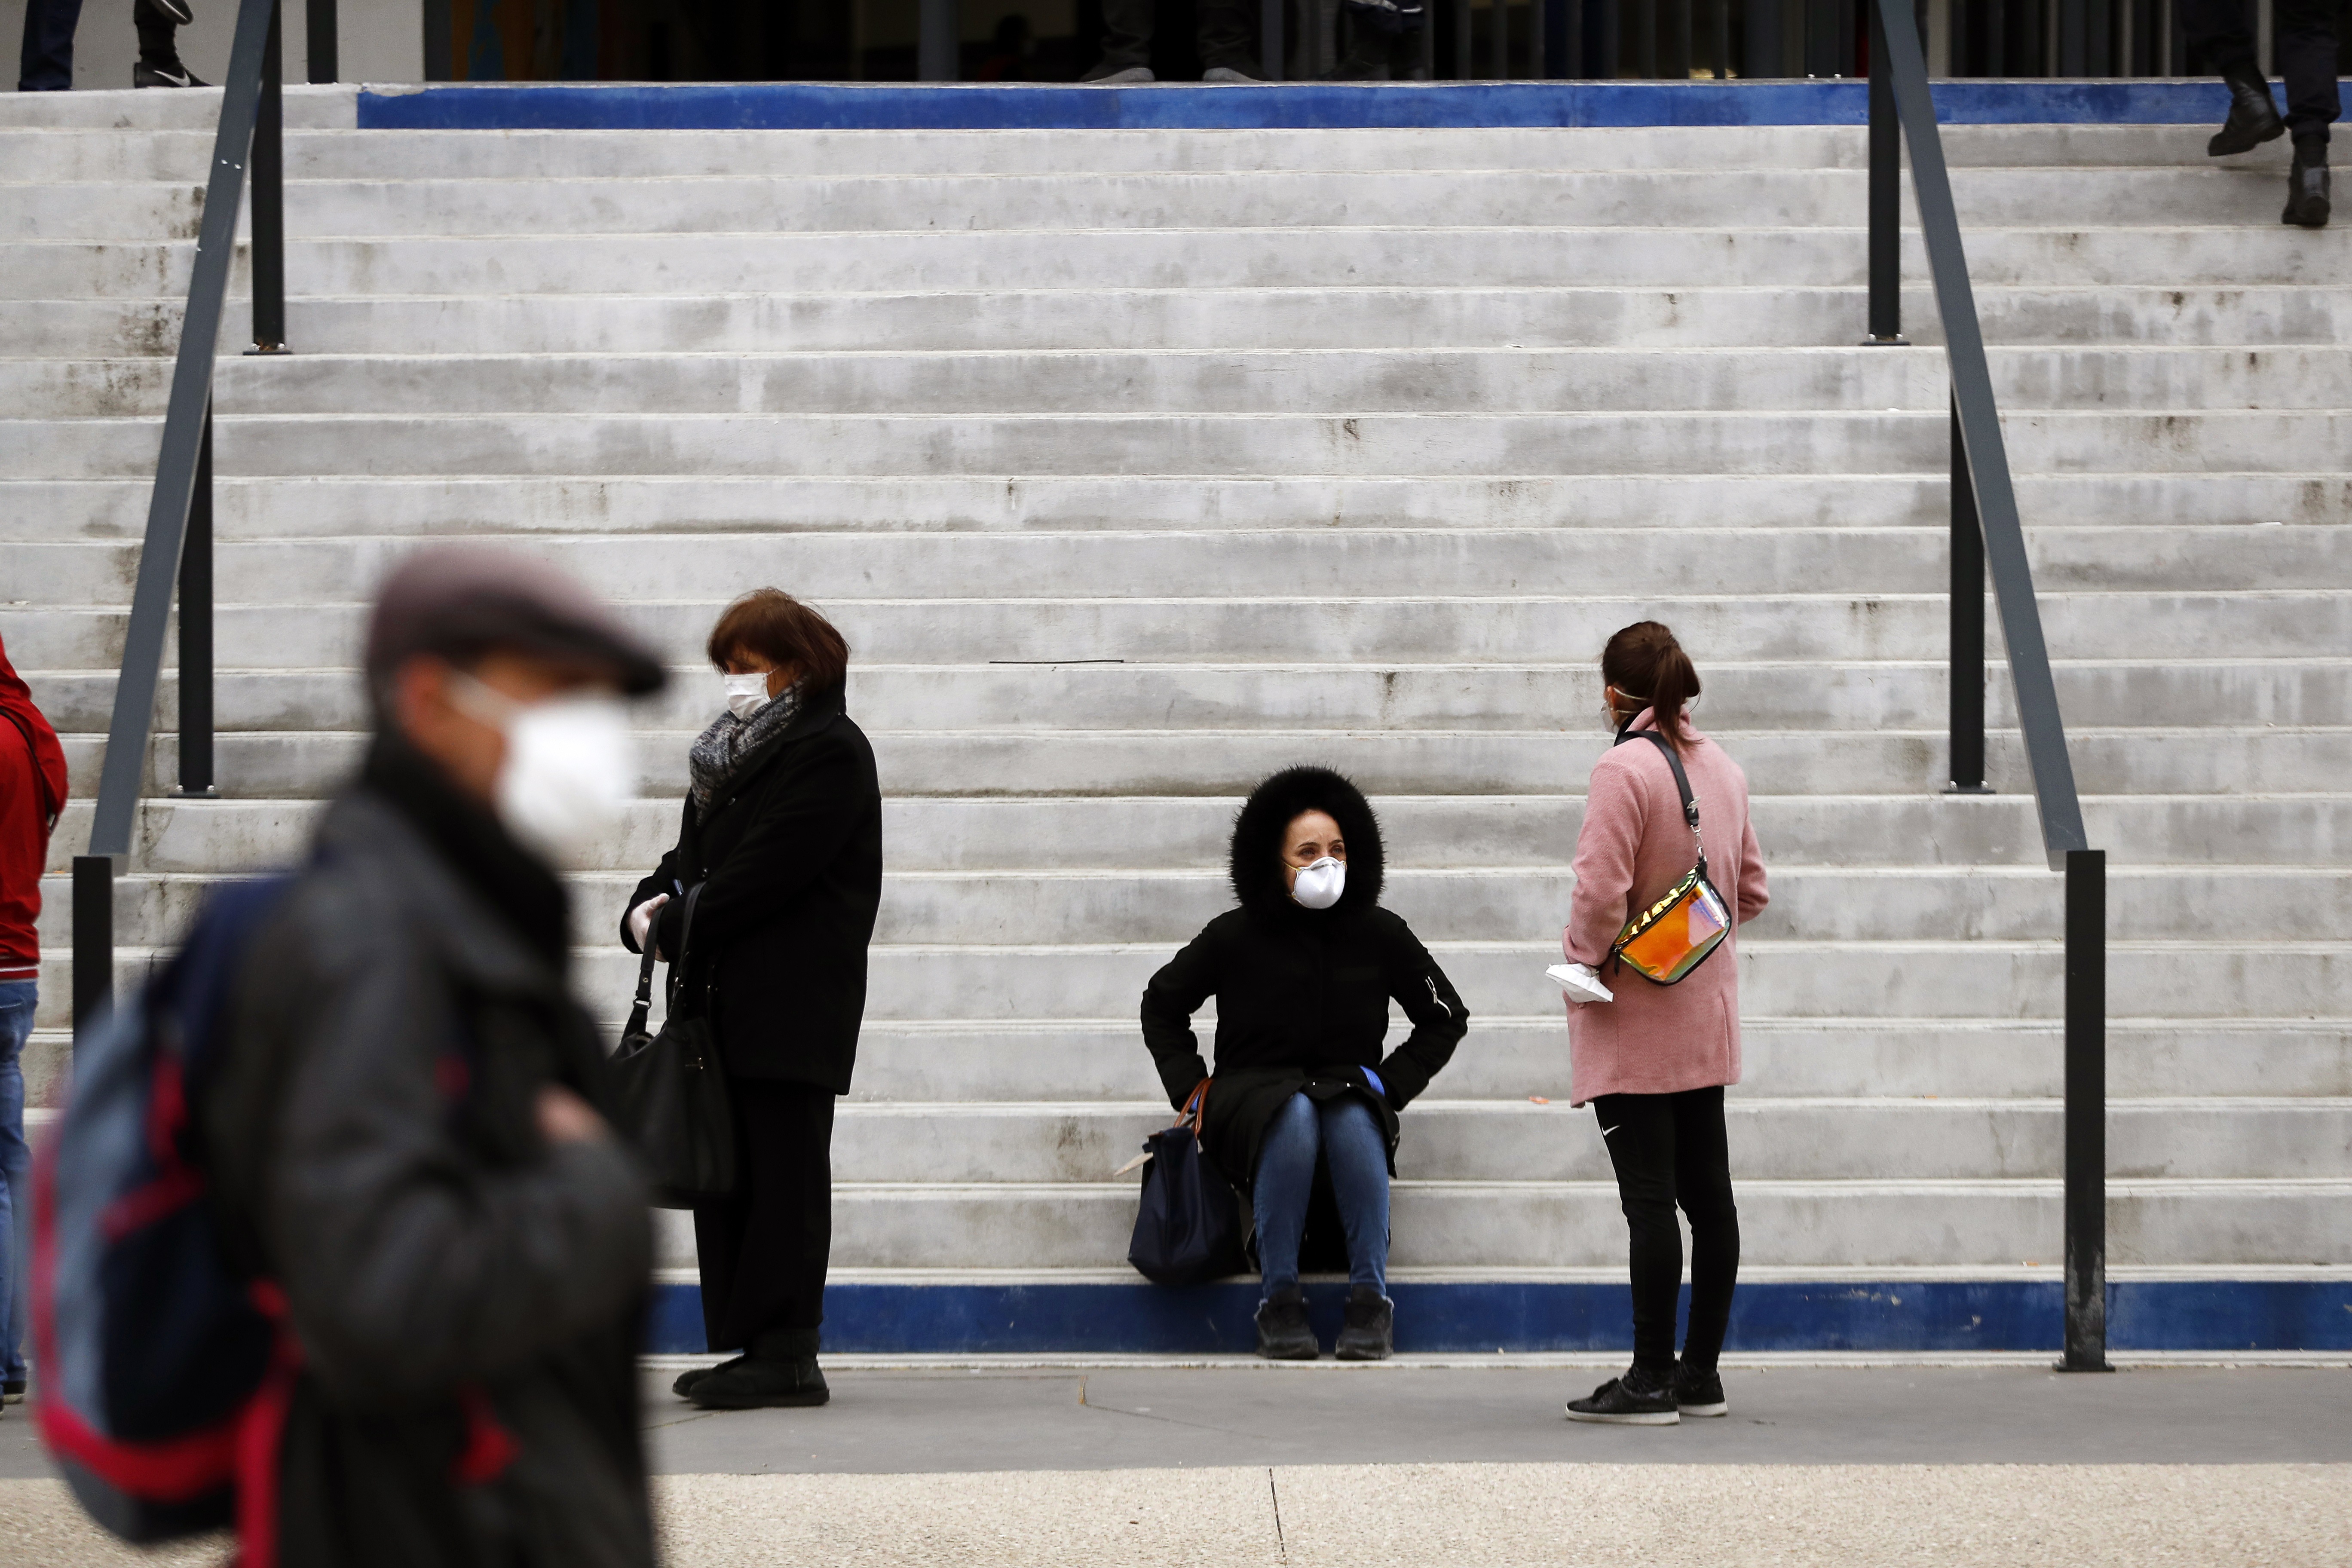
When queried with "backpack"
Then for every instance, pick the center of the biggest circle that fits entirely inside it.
(165, 1371)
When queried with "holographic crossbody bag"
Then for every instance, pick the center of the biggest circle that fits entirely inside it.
(1674, 936)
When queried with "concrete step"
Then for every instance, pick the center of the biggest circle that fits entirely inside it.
(2254, 624)
(1007, 445)
(493, 196)
(945, 832)
(2187, 980)
(1335, 381)
(406, 509)
(1179, 317)
(198, 109)
(1447, 1139)
(1512, 1059)
(1843, 903)
(1536, 1224)
(1230, 258)
(137, 151)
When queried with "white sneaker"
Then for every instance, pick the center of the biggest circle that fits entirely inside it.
(1130, 77)
(1224, 73)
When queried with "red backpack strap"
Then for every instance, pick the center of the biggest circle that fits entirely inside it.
(261, 1441)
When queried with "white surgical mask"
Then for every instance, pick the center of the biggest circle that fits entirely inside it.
(1319, 886)
(746, 694)
(570, 767)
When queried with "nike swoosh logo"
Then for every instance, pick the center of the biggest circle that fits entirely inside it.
(1606, 1130)
(180, 81)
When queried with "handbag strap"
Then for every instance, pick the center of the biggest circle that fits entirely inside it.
(685, 942)
(1682, 784)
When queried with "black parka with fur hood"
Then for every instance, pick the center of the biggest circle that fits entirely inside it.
(1302, 994)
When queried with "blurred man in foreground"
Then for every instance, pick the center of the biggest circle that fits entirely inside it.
(403, 1133)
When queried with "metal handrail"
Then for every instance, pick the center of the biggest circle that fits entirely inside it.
(177, 550)
(1984, 516)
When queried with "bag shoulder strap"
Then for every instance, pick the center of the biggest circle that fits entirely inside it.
(1682, 784)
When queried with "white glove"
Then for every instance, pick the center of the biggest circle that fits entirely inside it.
(641, 919)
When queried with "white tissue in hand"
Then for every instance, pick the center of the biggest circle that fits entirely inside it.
(1581, 983)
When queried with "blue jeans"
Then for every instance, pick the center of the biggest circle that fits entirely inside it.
(46, 62)
(17, 998)
(1348, 1136)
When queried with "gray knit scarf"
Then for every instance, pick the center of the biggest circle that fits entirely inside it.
(719, 751)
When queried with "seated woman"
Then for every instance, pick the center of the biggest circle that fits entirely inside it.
(1303, 973)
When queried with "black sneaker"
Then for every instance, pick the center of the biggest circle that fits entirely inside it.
(2307, 194)
(748, 1382)
(1283, 1333)
(1370, 1330)
(2253, 117)
(1699, 1393)
(684, 1386)
(1637, 1399)
(168, 73)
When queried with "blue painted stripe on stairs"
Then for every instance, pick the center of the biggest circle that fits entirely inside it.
(848, 106)
(1485, 1316)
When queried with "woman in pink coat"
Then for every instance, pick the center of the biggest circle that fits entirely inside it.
(1653, 1062)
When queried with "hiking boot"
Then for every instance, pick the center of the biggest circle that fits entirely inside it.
(2253, 116)
(684, 1386)
(1637, 1399)
(1283, 1333)
(1368, 1333)
(753, 1382)
(2307, 191)
(1698, 1393)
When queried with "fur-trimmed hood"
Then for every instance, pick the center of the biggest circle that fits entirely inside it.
(1255, 860)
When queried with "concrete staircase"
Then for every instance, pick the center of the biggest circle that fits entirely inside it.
(1138, 464)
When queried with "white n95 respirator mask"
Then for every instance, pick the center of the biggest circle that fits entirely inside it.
(570, 767)
(1319, 886)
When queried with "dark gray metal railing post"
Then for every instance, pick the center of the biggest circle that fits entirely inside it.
(1967, 751)
(2086, 1111)
(1886, 194)
(197, 632)
(939, 40)
(93, 942)
(269, 204)
(1270, 41)
(325, 61)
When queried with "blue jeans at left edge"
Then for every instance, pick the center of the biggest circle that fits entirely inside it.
(16, 997)
(1345, 1132)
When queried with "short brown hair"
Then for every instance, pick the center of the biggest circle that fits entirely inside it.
(770, 623)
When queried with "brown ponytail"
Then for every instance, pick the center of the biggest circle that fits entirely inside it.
(1645, 662)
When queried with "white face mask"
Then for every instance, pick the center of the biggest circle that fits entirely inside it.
(746, 694)
(570, 767)
(1319, 886)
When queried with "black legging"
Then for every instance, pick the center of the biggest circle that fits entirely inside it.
(2305, 44)
(1669, 1149)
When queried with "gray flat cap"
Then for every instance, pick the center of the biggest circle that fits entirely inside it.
(460, 601)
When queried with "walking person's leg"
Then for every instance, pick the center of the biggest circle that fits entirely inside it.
(159, 23)
(775, 1300)
(2217, 29)
(45, 61)
(1639, 1129)
(1357, 1157)
(16, 1002)
(1127, 43)
(1278, 1195)
(2307, 57)
(1703, 1189)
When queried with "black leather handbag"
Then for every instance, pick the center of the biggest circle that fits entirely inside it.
(669, 1092)
(1187, 1223)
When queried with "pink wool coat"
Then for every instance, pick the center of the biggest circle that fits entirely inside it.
(1634, 846)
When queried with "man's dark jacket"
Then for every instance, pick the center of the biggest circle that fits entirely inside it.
(468, 1298)
(789, 856)
(1302, 994)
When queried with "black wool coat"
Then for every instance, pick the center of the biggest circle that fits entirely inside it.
(1302, 994)
(789, 856)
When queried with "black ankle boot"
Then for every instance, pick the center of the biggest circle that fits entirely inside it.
(2307, 189)
(781, 1370)
(2254, 115)
(1283, 1333)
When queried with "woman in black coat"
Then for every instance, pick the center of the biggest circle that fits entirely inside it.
(1303, 973)
(782, 832)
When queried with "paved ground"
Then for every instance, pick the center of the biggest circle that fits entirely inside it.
(1367, 1467)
